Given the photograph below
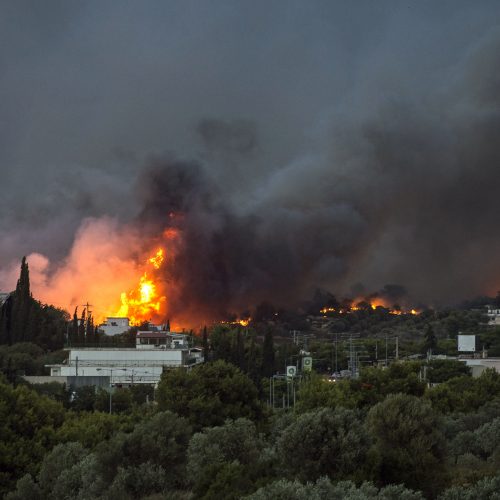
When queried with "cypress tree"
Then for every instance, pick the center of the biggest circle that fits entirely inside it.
(430, 341)
(81, 328)
(240, 351)
(23, 283)
(21, 307)
(253, 368)
(73, 328)
(205, 344)
(89, 329)
(268, 355)
(6, 321)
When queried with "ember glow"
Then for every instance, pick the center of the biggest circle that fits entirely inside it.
(241, 322)
(145, 301)
(361, 304)
(157, 260)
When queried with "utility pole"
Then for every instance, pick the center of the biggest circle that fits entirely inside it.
(270, 390)
(386, 349)
(353, 358)
(397, 347)
(336, 352)
(87, 306)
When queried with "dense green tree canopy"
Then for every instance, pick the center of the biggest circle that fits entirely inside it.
(209, 394)
(226, 458)
(408, 442)
(327, 441)
(28, 424)
(325, 489)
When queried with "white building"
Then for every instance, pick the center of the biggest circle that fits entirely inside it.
(161, 340)
(478, 365)
(493, 314)
(125, 366)
(114, 326)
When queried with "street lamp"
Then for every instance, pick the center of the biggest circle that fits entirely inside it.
(110, 370)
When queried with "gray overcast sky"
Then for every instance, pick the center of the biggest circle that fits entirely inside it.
(333, 95)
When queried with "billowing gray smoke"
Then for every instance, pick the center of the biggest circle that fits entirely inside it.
(340, 145)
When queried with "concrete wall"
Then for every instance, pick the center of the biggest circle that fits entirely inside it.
(75, 382)
(115, 326)
(128, 357)
(118, 374)
(480, 364)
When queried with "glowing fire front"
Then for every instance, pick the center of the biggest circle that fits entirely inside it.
(143, 302)
(361, 304)
(241, 322)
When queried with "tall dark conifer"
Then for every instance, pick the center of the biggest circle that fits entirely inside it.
(6, 320)
(253, 361)
(240, 351)
(21, 308)
(82, 327)
(73, 328)
(89, 329)
(268, 355)
(430, 340)
(205, 344)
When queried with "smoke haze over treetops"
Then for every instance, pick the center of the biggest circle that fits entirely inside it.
(305, 143)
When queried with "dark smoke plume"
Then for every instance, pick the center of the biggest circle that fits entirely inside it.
(408, 194)
(329, 146)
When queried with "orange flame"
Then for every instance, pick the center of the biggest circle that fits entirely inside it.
(373, 303)
(242, 322)
(157, 260)
(144, 301)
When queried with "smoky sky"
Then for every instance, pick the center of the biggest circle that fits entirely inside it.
(307, 143)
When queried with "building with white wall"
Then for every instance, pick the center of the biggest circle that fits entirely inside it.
(479, 365)
(114, 326)
(493, 314)
(125, 366)
(161, 340)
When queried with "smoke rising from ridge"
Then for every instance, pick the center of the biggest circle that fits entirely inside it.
(306, 155)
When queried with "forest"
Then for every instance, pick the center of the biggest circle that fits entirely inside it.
(215, 432)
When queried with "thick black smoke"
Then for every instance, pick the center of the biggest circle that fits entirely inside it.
(409, 194)
(323, 146)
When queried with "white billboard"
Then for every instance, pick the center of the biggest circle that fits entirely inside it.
(466, 343)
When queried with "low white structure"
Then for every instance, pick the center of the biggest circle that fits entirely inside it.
(161, 340)
(126, 366)
(114, 326)
(478, 365)
(493, 314)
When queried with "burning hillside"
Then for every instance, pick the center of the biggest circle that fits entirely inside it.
(187, 257)
(145, 301)
(367, 304)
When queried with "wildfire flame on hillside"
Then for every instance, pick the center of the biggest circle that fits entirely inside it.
(363, 303)
(141, 303)
(241, 322)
